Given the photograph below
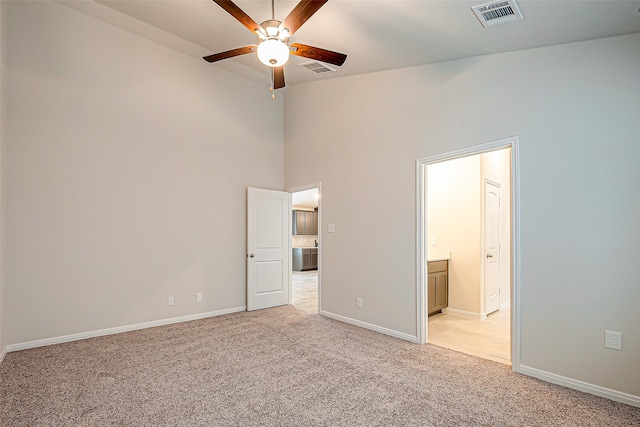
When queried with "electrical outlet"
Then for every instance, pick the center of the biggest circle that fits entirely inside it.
(358, 302)
(170, 301)
(434, 241)
(199, 297)
(613, 340)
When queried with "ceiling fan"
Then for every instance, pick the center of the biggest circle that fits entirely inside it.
(273, 46)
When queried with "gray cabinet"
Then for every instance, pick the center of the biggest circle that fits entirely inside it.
(299, 222)
(305, 223)
(438, 286)
(305, 259)
(312, 225)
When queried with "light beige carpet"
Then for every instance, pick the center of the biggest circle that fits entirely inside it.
(279, 367)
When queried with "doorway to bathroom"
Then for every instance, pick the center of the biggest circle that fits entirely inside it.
(467, 243)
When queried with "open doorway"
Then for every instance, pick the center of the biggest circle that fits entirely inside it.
(305, 248)
(467, 242)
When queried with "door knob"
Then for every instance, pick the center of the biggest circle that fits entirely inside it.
(489, 256)
(251, 255)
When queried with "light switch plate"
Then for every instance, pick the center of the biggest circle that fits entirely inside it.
(331, 228)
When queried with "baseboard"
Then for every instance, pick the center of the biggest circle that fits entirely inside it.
(2, 355)
(608, 393)
(119, 329)
(462, 313)
(365, 325)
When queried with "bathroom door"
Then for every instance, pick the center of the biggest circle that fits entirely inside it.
(492, 247)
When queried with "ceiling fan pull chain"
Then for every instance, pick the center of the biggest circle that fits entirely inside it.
(273, 95)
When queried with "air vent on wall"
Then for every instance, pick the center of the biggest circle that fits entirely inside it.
(497, 12)
(318, 67)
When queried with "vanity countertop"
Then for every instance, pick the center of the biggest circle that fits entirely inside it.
(438, 256)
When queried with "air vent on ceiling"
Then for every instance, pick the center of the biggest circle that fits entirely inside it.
(318, 67)
(497, 12)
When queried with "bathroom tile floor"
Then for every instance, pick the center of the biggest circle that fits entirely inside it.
(305, 290)
(488, 338)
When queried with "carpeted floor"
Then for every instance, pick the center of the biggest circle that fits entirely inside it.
(279, 367)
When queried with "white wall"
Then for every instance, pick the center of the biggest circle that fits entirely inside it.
(3, 43)
(125, 176)
(575, 108)
(453, 218)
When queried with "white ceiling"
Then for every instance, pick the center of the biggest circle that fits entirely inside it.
(307, 199)
(381, 34)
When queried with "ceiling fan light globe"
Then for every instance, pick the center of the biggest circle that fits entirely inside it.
(273, 53)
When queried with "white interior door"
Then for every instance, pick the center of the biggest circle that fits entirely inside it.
(268, 248)
(492, 247)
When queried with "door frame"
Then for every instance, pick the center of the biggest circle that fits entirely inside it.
(422, 248)
(291, 190)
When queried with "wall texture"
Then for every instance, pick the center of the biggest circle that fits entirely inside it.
(3, 110)
(125, 176)
(575, 108)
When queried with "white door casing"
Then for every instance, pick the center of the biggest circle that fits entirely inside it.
(268, 248)
(492, 247)
(422, 325)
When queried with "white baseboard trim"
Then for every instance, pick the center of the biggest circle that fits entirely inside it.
(365, 325)
(119, 329)
(608, 393)
(462, 313)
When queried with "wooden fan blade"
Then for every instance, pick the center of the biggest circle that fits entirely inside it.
(318, 54)
(301, 13)
(239, 14)
(278, 77)
(230, 53)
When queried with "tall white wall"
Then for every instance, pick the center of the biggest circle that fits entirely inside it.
(575, 108)
(453, 219)
(3, 44)
(125, 176)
